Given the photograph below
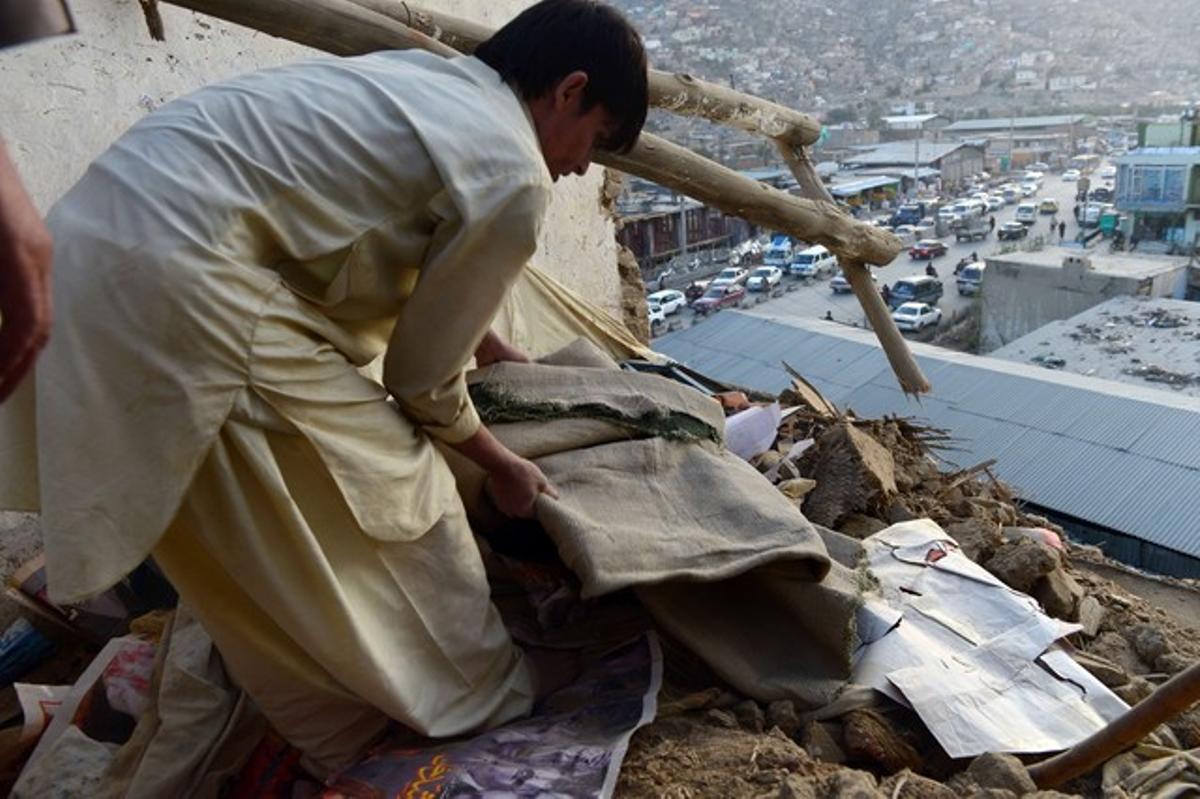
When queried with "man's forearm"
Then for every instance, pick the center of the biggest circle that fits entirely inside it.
(486, 451)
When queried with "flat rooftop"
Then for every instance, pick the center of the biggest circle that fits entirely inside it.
(1134, 265)
(1154, 343)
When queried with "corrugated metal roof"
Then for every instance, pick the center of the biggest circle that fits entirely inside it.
(1003, 123)
(1105, 452)
(904, 153)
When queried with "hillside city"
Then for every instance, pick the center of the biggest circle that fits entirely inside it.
(853, 62)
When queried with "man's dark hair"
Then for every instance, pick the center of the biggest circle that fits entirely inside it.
(550, 40)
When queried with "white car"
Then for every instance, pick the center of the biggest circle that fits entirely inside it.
(1071, 175)
(658, 319)
(994, 203)
(840, 285)
(670, 300)
(814, 262)
(1108, 172)
(906, 233)
(1029, 189)
(730, 276)
(764, 278)
(1027, 213)
(916, 316)
(1039, 166)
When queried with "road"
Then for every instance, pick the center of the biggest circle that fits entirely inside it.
(812, 300)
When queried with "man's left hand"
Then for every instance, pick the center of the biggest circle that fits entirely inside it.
(494, 349)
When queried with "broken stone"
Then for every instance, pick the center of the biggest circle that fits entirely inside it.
(1112, 646)
(750, 716)
(1134, 691)
(797, 488)
(699, 700)
(850, 784)
(1091, 616)
(898, 512)
(1171, 663)
(782, 714)
(855, 472)
(995, 770)
(1059, 594)
(869, 736)
(907, 785)
(1107, 672)
(1149, 642)
(978, 538)
(721, 718)
(1186, 727)
(821, 743)
(796, 787)
(962, 509)
(1019, 564)
(859, 526)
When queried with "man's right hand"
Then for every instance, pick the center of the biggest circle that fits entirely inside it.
(513, 483)
(515, 487)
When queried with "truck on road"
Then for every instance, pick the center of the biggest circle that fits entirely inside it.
(971, 228)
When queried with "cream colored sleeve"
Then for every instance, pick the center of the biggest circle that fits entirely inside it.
(477, 252)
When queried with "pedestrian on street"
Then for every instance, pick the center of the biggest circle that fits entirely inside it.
(1062, 230)
(992, 223)
(201, 402)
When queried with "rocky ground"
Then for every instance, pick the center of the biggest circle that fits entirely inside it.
(858, 477)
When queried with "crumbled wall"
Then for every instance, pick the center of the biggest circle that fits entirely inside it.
(65, 100)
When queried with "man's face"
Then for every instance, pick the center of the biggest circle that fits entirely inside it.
(569, 135)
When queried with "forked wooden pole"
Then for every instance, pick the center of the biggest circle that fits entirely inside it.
(908, 371)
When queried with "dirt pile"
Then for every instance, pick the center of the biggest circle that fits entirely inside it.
(858, 476)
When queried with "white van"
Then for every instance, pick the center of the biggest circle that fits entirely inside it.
(971, 278)
(1027, 213)
(814, 262)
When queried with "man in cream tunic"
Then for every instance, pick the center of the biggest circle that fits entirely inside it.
(221, 272)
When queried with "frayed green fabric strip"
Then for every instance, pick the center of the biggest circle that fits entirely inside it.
(497, 405)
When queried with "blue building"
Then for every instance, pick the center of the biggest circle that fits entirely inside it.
(1158, 189)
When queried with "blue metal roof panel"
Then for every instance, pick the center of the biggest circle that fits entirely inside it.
(1173, 437)
(1116, 461)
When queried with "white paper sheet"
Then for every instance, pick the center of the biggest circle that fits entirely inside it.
(976, 660)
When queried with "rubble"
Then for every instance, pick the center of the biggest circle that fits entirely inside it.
(857, 474)
(870, 737)
(1020, 564)
(1158, 374)
(875, 471)
(712, 742)
(1004, 772)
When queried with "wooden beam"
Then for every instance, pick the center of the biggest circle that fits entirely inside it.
(695, 176)
(678, 93)
(904, 365)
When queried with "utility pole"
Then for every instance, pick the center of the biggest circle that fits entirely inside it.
(1012, 147)
(916, 163)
